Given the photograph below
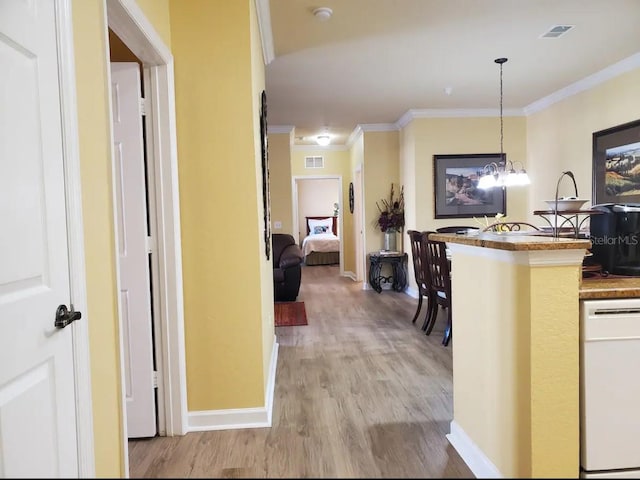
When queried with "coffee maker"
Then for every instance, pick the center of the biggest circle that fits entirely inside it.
(615, 238)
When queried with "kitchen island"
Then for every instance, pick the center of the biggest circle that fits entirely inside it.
(515, 306)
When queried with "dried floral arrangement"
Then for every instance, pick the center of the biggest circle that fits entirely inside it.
(391, 217)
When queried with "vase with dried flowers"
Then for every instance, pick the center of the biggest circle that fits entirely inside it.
(391, 217)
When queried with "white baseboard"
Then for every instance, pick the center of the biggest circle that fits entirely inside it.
(412, 292)
(475, 458)
(238, 418)
(350, 275)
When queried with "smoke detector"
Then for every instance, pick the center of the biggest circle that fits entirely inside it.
(323, 13)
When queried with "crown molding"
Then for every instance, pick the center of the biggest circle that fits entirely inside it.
(279, 129)
(266, 34)
(412, 114)
(612, 71)
(357, 132)
(308, 148)
(378, 127)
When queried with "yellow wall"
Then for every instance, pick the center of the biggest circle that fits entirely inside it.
(516, 363)
(280, 175)
(224, 265)
(157, 12)
(356, 162)
(90, 36)
(381, 169)
(442, 136)
(560, 137)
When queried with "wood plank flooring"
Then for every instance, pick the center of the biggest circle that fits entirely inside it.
(360, 392)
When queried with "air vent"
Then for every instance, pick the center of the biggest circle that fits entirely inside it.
(313, 162)
(557, 31)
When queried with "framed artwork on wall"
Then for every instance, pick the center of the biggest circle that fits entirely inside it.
(456, 189)
(616, 164)
(265, 174)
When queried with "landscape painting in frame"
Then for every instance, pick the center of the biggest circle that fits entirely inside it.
(616, 164)
(456, 187)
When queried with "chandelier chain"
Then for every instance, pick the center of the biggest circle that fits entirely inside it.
(501, 121)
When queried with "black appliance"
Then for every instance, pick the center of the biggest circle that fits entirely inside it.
(615, 238)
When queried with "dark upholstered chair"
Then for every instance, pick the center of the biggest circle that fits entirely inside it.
(287, 270)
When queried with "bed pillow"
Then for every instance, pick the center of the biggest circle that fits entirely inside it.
(320, 226)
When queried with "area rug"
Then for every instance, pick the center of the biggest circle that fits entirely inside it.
(290, 314)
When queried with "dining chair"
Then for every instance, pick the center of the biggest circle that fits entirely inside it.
(440, 285)
(509, 227)
(418, 253)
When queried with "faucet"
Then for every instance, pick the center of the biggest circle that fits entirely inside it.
(568, 173)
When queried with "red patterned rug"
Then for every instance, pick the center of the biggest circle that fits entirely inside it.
(289, 314)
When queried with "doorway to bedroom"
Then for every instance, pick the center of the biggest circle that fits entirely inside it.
(318, 199)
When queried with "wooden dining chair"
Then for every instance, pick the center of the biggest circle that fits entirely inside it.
(440, 285)
(419, 256)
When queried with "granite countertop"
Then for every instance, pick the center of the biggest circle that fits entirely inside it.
(609, 287)
(514, 241)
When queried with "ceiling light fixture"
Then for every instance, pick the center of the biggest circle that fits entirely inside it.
(323, 13)
(323, 140)
(502, 174)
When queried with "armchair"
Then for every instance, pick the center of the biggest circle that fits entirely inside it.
(287, 269)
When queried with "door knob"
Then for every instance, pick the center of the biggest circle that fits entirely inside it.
(64, 316)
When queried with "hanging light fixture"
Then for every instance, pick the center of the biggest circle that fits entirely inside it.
(502, 174)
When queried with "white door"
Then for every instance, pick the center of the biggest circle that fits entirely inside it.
(132, 231)
(38, 435)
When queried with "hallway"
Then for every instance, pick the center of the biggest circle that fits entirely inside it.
(360, 392)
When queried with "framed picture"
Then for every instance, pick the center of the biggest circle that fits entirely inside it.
(456, 186)
(265, 174)
(616, 164)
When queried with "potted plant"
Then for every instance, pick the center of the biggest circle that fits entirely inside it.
(391, 217)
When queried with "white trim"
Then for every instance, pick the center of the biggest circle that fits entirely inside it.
(412, 292)
(355, 134)
(350, 275)
(312, 147)
(414, 113)
(612, 71)
(279, 129)
(239, 418)
(266, 35)
(550, 258)
(128, 22)
(75, 230)
(534, 258)
(379, 127)
(475, 458)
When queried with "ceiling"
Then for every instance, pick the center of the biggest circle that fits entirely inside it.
(374, 60)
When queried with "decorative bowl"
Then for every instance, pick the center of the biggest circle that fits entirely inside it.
(565, 204)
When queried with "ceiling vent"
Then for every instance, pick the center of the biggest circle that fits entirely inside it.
(557, 31)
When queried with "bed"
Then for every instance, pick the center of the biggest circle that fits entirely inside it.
(321, 246)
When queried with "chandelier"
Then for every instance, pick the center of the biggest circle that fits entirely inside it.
(502, 174)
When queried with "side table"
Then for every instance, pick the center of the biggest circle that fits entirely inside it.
(398, 277)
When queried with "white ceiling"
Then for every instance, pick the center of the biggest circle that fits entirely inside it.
(374, 60)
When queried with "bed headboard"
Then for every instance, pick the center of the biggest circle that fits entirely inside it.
(334, 224)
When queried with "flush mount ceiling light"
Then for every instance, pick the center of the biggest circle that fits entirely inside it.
(323, 140)
(504, 173)
(323, 13)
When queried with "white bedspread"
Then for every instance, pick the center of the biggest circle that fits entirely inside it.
(321, 242)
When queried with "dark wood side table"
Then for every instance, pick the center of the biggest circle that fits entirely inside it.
(398, 277)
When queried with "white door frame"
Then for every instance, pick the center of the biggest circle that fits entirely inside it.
(75, 228)
(129, 23)
(294, 199)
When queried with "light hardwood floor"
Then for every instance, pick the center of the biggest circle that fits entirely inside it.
(360, 392)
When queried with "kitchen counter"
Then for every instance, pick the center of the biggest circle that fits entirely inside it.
(513, 241)
(609, 287)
